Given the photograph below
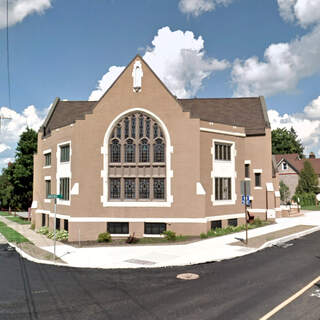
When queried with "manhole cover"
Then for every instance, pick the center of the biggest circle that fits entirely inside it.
(188, 276)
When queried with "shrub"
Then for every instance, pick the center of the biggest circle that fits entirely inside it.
(104, 237)
(169, 235)
(62, 235)
(306, 199)
(203, 235)
(33, 226)
(50, 234)
(43, 230)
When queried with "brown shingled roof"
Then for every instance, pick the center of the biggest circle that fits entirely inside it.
(249, 113)
(67, 112)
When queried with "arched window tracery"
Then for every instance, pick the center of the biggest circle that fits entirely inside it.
(137, 162)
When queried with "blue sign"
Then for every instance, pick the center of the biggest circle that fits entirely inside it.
(247, 200)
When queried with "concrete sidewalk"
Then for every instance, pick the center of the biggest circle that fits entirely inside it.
(214, 249)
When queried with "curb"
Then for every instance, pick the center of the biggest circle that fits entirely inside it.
(289, 237)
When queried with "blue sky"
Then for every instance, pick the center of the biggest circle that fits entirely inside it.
(202, 48)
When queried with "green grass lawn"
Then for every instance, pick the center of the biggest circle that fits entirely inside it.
(4, 213)
(162, 240)
(11, 235)
(18, 220)
(314, 208)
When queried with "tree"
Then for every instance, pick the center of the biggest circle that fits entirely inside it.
(284, 192)
(308, 181)
(286, 141)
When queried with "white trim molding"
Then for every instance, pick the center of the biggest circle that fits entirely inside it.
(46, 151)
(200, 189)
(104, 173)
(257, 170)
(247, 161)
(229, 133)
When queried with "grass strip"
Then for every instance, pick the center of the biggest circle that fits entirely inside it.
(162, 240)
(4, 213)
(11, 235)
(313, 208)
(18, 220)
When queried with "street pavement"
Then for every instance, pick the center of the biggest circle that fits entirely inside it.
(244, 288)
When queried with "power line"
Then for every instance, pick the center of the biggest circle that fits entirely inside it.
(8, 58)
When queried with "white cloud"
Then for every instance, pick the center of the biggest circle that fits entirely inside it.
(306, 12)
(19, 9)
(306, 125)
(178, 58)
(283, 66)
(197, 7)
(3, 147)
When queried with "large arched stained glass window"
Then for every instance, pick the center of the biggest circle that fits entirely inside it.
(137, 167)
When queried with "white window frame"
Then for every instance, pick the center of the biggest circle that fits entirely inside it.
(104, 173)
(44, 153)
(47, 178)
(224, 169)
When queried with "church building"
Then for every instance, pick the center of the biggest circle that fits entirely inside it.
(141, 161)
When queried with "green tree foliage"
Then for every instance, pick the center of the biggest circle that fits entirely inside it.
(308, 181)
(284, 192)
(286, 141)
(16, 182)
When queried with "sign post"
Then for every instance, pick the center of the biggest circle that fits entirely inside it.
(55, 197)
(245, 191)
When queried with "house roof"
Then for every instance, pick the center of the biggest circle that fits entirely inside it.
(296, 163)
(249, 113)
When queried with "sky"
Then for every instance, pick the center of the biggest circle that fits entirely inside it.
(75, 49)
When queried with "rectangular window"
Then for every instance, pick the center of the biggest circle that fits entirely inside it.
(47, 159)
(158, 188)
(257, 179)
(43, 220)
(57, 224)
(48, 188)
(216, 224)
(247, 170)
(115, 188)
(66, 225)
(118, 227)
(222, 151)
(144, 188)
(233, 222)
(129, 188)
(223, 188)
(64, 188)
(65, 153)
(284, 166)
(154, 228)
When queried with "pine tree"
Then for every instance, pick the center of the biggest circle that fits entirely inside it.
(308, 181)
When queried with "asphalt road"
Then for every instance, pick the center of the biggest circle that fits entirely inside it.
(242, 288)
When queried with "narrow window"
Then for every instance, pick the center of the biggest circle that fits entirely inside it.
(257, 179)
(129, 151)
(64, 188)
(155, 131)
(154, 228)
(119, 131)
(222, 151)
(247, 170)
(284, 166)
(118, 227)
(144, 188)
(66, 224)
(148, 127)
(65, 153)
(126, 128)
(43, 220)
(141, 126)
(158, 151)
(115, 151)
(114, 188)
(233, 222)
(223, 188)
(158, 188)
(216, 224)
(57, 224)
(129, 188)
(48, 188)
(47, 161)
(133, 127)
(144, 151)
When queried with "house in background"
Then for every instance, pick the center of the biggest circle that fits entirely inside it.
(289, 167)
(141, 161)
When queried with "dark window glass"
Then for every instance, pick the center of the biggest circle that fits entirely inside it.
(144, 188)
(65, 153)
(148, 127)
(233, 222)
(119, 131)
(129, 188)
(115, 188)
(223, 188)
(64, 188)
(154, 228)
(47, 159)
(247, 170)
(126, 127)
(141, 126)
(222, 151)
(57, 224)
(258, 179)
(158, 188)
(144, 151)
(129, 151)
(118, 227)
(48, 188)
(66, 225)
(216, 224)
(155, 131)
(43, 220)
(115, 151)
(158, 151)
(133, 127)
